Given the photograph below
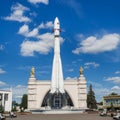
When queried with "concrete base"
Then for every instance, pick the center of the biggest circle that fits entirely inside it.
(56, 111)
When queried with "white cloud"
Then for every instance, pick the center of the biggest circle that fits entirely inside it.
(39, 1)
(17, 14)
(100, 92)
(33, 14)
(2, 71)
(70, 70)
(2, 83)
(94, 45)
(114, 88)
(71, 78)
(113, 79)
(18, 92)
(46, 25)
(32, 33)
(1, 47)
(20, 86)
(24, 30)
(41, 46)
(91, 64)
(117, 72)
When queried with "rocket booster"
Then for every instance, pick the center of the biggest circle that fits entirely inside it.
(57, 84)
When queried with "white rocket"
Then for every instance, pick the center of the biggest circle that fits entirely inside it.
(57, 84)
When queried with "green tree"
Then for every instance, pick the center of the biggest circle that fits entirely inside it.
(1, 109)
(24, 101)
(14, 105)
(100, 103)
(113, 93)
(91, 102)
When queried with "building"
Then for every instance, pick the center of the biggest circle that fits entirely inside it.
(111, 99)
(38, 93)
(57, 93)
(6, 100)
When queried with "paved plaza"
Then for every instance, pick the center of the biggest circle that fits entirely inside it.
(60, 117)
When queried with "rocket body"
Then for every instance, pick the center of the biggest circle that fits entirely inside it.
(57, 84)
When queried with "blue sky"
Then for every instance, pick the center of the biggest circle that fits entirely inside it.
(90, 38)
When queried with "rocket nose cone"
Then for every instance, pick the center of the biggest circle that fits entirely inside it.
(56, 24)
(56, 20)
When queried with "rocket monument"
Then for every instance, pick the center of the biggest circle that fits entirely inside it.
(42, 94)
(57, 84)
